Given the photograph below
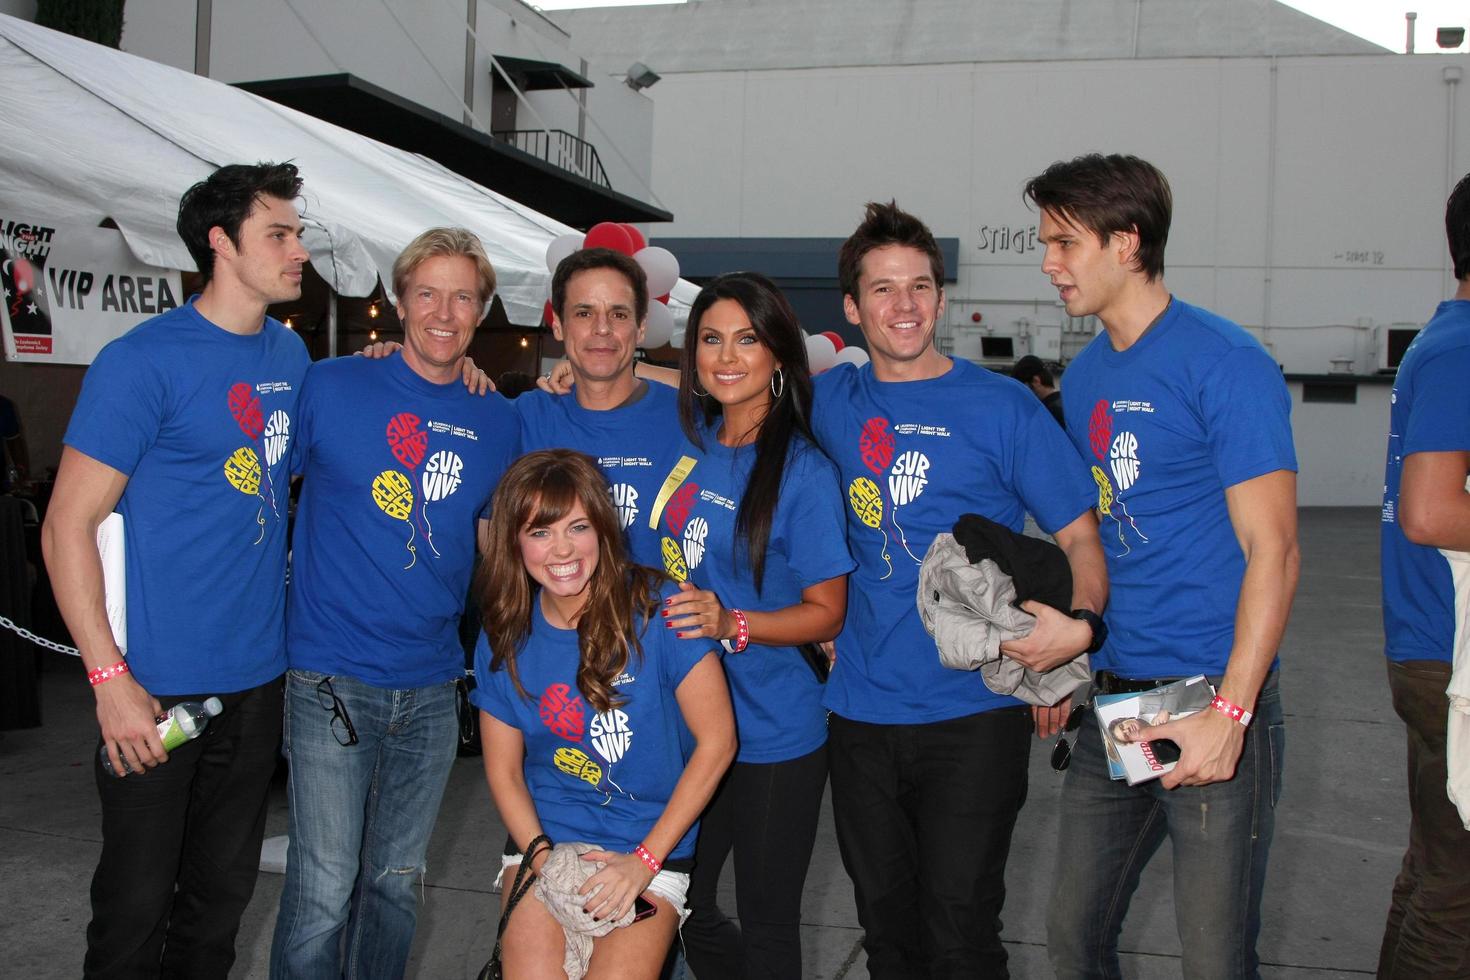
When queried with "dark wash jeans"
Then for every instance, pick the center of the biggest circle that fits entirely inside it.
(767, 813)
(1221, 839)
(181, 846)
(1428, 934)
(924, 815)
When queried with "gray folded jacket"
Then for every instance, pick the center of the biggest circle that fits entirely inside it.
(970, 611)
(557, 884)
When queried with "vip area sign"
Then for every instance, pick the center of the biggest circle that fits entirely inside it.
(69, 290)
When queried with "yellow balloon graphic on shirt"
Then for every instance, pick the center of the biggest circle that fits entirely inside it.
(242, 469)
(1104, 490)
(866, 501)
(393, 494)
(575, 762)
(674, 560)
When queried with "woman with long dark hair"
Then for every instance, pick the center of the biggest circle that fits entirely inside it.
(587, 705)
(753, 530)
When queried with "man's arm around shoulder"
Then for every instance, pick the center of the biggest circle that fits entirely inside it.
(86, 492)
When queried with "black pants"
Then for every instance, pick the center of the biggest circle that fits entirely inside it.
(924, 816)
(1428, 932)
(181, 847)
(768, 813)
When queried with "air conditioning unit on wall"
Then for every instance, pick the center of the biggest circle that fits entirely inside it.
(1390, 341)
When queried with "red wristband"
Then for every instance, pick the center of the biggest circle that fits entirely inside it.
(742, 633)
(1232, 711)
(102, 674)
(646, 856)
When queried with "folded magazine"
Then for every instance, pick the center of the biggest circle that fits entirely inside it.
(1120, 716)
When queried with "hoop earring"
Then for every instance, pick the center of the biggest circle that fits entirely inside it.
(778, 389)
(694, 387)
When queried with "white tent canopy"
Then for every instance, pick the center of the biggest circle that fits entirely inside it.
(94, 133)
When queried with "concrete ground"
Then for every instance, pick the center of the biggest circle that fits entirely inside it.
(1340, 833)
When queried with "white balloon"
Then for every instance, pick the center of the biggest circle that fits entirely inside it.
(560, 248)
(659, 326)
(661, 268)
(855, 356)
(821, 353)
(676, 339)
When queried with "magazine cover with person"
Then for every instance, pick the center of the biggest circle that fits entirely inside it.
(1123, 716)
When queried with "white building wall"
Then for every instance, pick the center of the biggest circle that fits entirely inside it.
(1340, 449)
(1309, 191)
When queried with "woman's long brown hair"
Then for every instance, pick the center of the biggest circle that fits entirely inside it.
(539, 489)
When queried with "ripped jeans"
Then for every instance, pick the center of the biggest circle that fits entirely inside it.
(1220, 836)
(361, 816)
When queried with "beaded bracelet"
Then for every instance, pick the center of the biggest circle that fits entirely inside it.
(1232, 711)
(107, 673)
(646, 856)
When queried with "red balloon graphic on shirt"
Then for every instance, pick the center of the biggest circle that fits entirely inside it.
(245, 407)
(407, 440)
(1100, 429)
(679, 506)
(563, 712)
(876, 445)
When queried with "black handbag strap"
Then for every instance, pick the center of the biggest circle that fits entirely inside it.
(524, 879)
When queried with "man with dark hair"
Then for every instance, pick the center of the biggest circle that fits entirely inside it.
(1426, 509)
(399, 462)
(1032, 373)
(183, 427)
(1185, 418)
(599, 301)
(929, 766)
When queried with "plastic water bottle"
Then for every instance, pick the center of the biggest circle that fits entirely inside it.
(181, 723)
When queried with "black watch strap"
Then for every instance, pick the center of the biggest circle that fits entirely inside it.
(1095, 623)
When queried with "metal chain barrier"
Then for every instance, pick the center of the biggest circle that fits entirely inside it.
(39, 641)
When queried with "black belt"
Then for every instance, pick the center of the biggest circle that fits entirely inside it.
(1107, 682)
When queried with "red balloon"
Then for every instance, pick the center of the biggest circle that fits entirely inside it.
(876, 445)
(563, 711)
(245, 407)
(547, 313)
(835, 337)
(407, 440)
(681, 504)
(664, 299)
(609, 234)
(23, 274)
(636, 237)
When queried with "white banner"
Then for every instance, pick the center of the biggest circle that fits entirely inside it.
(69, 290)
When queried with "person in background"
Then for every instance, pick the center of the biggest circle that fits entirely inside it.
(1032, 373)
(754, 533)
(15, 456)
(184, 427)
(587, 705)
(1426, 509)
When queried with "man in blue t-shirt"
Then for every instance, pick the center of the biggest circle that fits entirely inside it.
(399, 462)
(1185, 421)
(599, 301)
(183, 427)
(928, 766)
(1425, 509)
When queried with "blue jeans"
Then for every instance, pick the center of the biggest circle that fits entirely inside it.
(361, 816)
(1220, 834)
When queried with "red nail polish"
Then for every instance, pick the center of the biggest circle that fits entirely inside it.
(666, 613)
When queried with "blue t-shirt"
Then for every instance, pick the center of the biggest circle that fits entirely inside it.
(397, 471)
(913, 456)
(596, 777)
(633, 445)
(1430, 414)
(1195, 406)
(777, 698)
(200, 421)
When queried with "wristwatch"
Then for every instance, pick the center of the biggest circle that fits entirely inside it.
(1095, 623)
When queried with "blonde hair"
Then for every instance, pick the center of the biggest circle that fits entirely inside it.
(444, 241)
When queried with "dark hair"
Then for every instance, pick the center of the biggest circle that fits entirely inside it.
(1030, 367)
(541, 488)
(886, 224)
(1108, 194)
(513, 384)
(776, 327)
(226, 199)
(600, 258)
(1457, 226)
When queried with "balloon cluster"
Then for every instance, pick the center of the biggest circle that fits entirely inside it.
(659, 265)
(826, 350)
